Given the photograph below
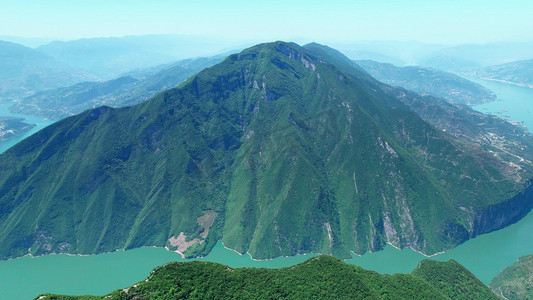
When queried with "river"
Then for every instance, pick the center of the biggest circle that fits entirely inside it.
(485, 256)
(513, 102)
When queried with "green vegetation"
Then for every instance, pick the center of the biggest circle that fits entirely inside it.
(453, 280)
(322, 277)
(295, 149)
(429, 81)
(516, 281)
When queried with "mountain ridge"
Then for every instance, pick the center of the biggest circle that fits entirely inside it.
(129, 89)
(294, 149)
(519, 73)
(110, 57)
(320, 277)
(25, 70)
(429, 81)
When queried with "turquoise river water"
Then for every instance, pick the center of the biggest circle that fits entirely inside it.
(485, 256)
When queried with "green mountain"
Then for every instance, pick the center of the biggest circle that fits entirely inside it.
(452, 279)
(518, 73)
(515, 281)
(127, 90)
(24, 71)
(277, 150)
(429, 81)
(322, 277)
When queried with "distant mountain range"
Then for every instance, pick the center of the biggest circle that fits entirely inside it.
(277, 150)
(109, 58)
(518, 73)
(322, 277)
(393, 52)
(457, 59)
(429, 81)
(24, 71)
(62, 102)
(464, 57)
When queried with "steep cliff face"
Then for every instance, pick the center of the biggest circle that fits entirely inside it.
(278, 150)
(500, 215)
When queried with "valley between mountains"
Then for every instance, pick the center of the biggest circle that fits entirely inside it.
(277, 150)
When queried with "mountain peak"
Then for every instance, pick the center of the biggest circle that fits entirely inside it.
(277, 150)
(269, 50)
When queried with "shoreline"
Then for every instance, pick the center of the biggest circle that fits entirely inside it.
(247, 253)
(524, 85)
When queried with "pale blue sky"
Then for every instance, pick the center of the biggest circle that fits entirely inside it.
(437, 21)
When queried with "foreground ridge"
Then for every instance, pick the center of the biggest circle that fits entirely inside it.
(322, 277)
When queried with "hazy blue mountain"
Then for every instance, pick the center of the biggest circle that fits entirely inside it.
(394, 52)
(277, 150)
(188, 63)
(518, 73)
(26, 41)
(456, 58)
(24, 71)
(449, 63)
(429, 81)
(123, 91)
(464, 57)
(111, 57)
(373, 56)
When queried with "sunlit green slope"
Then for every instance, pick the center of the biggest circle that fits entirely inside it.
(515, 281)
(278, 150)
(323, 277)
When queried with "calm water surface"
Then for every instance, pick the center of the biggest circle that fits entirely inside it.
(485, 256)
(513, 102)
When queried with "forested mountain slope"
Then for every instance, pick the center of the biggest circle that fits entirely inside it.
(277, 150)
